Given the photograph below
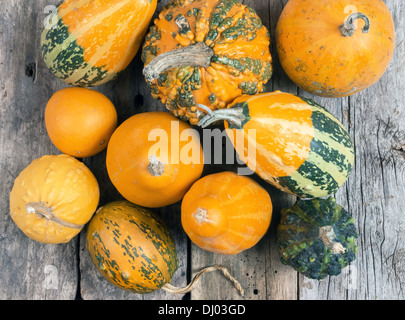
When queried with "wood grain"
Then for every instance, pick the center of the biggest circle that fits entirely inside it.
(374, 192)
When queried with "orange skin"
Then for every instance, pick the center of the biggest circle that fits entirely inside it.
(216, 79)
(80, 121)
(319, 59)
(129, 160)
(226, 213)
(112, 54)
(281, 147)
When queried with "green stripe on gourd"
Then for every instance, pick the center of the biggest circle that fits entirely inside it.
(65, 58)
(330, 160)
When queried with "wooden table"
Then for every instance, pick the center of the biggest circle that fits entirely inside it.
(374, 193)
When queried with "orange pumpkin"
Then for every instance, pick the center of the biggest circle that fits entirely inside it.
(207, 52)
(153, 159)
(226, 213)
(335, 48)
(80, 121)
(53, 198)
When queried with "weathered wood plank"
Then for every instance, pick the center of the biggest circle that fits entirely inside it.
(375, 191)
(30, 270)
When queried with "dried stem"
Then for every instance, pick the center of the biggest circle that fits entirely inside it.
(43, 211)
(172, 289)
(198, 55)
(347, 28)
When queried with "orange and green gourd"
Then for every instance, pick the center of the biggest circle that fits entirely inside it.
(207, 52)
(299, 146)
(93, 41)
(132, 247)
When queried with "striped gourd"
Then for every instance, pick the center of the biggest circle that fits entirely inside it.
(291, 142)
(131, 247)
(93, 41)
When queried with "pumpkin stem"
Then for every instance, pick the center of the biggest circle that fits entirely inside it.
(43, 211)
(234, 116)
(172, 289)
(347, 28)
(201, 216)
(198, 55)
(327, 234)
(156, 167)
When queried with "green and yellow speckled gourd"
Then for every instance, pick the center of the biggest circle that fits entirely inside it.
(134, 250)
(301, 148)
(93, 41)
(207, 52)
(317, 238)
(132, 247)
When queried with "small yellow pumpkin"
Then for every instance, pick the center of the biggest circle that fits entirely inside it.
(53, 198)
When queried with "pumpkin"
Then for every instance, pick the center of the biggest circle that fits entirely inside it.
(226, 213)
(53, 198)
(207, 52)
(80, 121)
(133, 249)
(317, 238)
(93, 41)
(153, 158)
(335, 48)
(291, 142)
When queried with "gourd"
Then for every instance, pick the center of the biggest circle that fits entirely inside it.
(317, 238)
(335, 48)
(93, 41)
(53, 198)
(226, 213)
(300, 147)
(80, 121)
(207, 52)
(153, 158)
(133, 249)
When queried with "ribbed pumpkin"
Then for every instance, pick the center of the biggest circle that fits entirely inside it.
(131, 247)
(299, 146)
(335, 48)
(153, 158)
(53, 198)
(226, 213)
(207, 52)
(317, 238)
(93, 41)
